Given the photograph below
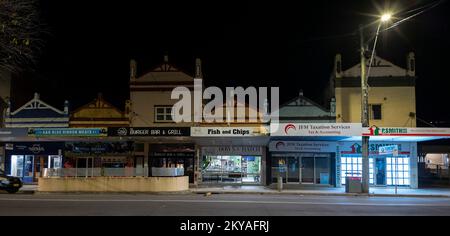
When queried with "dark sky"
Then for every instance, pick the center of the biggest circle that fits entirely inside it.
(290, 44)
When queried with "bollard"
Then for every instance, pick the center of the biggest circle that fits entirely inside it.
(280, 183)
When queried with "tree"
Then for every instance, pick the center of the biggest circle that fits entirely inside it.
(20, 31)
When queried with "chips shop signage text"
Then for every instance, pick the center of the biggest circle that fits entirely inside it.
(228, 131)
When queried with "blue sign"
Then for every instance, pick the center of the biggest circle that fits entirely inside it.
(13, 132)
(34, 148)
(386, 150)
(68, 132)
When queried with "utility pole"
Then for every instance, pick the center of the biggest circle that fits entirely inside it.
(364, 115)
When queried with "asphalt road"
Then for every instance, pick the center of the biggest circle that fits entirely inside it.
(216, 205)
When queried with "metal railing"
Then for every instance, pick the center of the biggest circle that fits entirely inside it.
(438, 170)
(95, 172)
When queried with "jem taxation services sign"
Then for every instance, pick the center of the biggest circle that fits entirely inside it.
(315, 129)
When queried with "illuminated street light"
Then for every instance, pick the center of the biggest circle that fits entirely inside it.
(365, 100)
(386, 17)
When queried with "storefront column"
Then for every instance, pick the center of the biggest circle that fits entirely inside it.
(414, 178)
(2, 157)
(263, 167)
(338, 167)
(197, 168)
(146, 160)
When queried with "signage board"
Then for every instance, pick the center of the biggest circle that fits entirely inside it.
(232, 150)
(228, 131)
(13, 132)
(315, 129)
(68, 132)
(98, 147)
(404, 148)
(402, 131)
(149, 131)
(302, 146)
(386, 150)
(34, 148)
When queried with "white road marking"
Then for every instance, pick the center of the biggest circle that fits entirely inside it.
(224, 201)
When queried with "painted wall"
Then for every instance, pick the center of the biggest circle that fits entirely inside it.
(397, 104)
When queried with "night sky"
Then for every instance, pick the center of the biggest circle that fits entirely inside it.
(290, 44)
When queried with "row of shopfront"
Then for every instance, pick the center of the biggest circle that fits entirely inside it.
(251, 157)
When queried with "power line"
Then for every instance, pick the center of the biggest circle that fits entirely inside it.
(422, 9)
(414, 15)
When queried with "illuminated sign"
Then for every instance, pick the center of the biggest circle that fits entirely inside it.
(149, 131)
(63, 132)
(386, 150)
(315, 129)
(402, 131)
(302, 146)
(228, 131)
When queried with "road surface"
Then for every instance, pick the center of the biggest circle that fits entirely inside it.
(216, 205)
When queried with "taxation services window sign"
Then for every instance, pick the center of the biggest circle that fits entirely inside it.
(315, 129)
(149, 131)
(403, 131)
(232, 150)
(228, 131)
(302, 146)
(64, 132)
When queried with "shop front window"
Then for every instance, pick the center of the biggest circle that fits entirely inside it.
(231, 169)
(17, 165)
(397, 171)
(386, 171)
(352, 167)
(187, 163)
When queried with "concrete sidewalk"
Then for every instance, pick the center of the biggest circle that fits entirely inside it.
(28, 188)
(301, 190)
(307, 190)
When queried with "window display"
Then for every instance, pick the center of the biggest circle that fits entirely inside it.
(386, 169)
(235, 169)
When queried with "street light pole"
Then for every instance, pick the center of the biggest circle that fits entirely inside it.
(365, 101)
(364, 115)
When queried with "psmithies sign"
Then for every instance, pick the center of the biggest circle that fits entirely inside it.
(404, 148)
(401, 131)
(315, 129)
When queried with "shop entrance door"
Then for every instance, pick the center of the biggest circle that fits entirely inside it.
(28, 175)
(84, 166)
(293, 170)
(307, 168)
(39, 165)
(380, 171)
